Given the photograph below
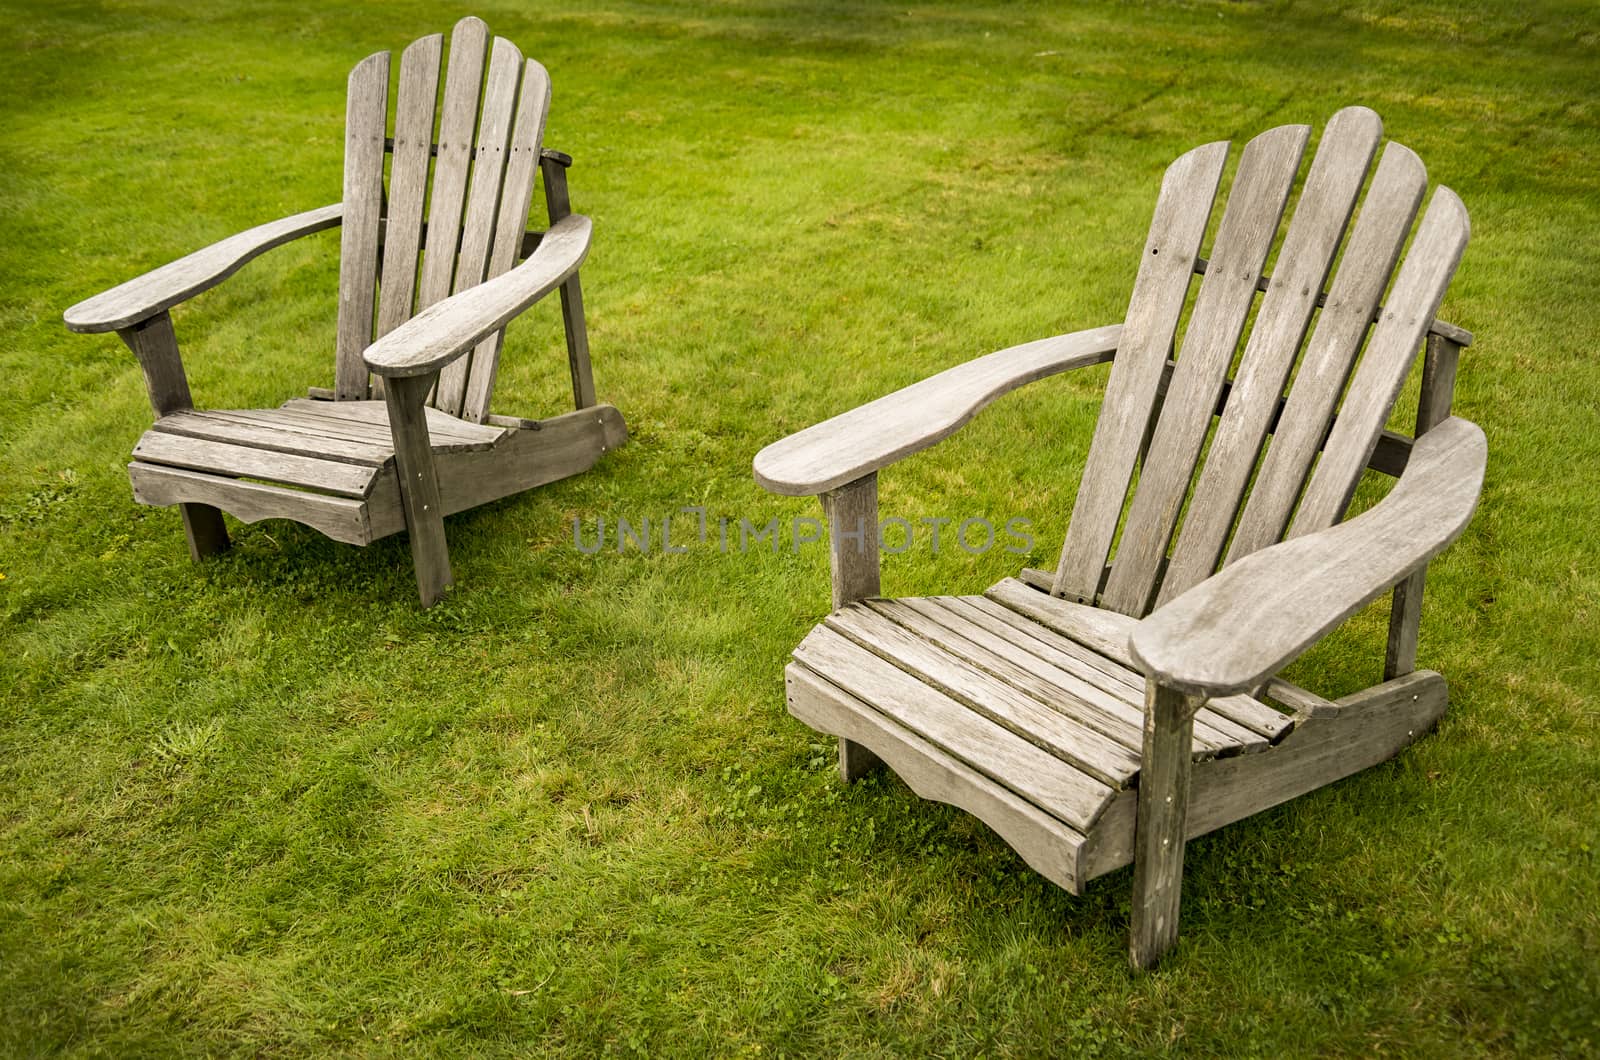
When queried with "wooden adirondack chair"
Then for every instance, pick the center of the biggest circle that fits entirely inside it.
(1103, 714)
(371, 457)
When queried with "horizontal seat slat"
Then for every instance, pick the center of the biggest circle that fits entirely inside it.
(1107, 632)
(221, 427)
(1094, 708)
(223, 458)
(1071, 796)
(1096, 668)
(321, 428)
(1089, 665)
(1029, 716)
(441, 426)
(1212, 734)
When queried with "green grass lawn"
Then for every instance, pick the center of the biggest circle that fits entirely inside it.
(266, 805)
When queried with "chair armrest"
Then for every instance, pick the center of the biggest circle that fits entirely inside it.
(1246, 622)
(447, 329)
(160, 289)
(560, 158)
(875, 435)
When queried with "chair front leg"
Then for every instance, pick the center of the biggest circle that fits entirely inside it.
(419, 483)
(852, 514)
(1163, 810)
(155, 345)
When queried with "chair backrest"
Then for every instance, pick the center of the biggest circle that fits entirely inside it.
(457, 196)
(1165, 437)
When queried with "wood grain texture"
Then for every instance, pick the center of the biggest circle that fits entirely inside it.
(993, 647)
(155, 346)
(1360, 731)
(559, 447)
(371, 418)
(1182, 212)
(408, 179)
(1045, 843)
(1158, 836)
(330, 476)
(1260, 191)
(483, 200)
(1091, 665)
(1072, 797)
(897, 638)
(351, 432)
(567, 446)
(1414, 301)
(1375, 242)
(220, 426)
(543, 451)
(1108, 632)
(1245, 623)
(365, 125)
(852, 515)
(444, 331)
(875, 435)
(1315, 232)
(158, 290)
(533, 104)
(1443, 328)
(1216, 729)
(458, 118)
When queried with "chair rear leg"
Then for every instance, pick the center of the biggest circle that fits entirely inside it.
(419, 483)
(1159, 826)
(855, 761)
(577, 343)
(203, 526)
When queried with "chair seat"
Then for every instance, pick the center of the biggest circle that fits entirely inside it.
(330, 464)
(336, 447)
(1034, 695)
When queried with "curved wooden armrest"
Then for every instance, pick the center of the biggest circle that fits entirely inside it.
(160, 289)
(445, 330)
(1246, 622)
(875, 435)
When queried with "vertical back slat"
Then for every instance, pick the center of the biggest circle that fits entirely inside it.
(1380, 231)
(1182, 211)
(408, 179)
(469, 40)
(483, 202)
(1267, 169)
(1320, 217)
(366, 121)
(527, 138)
(1412, 305)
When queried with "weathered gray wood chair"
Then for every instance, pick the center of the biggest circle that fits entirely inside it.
(1103, 714)
(428, 269)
